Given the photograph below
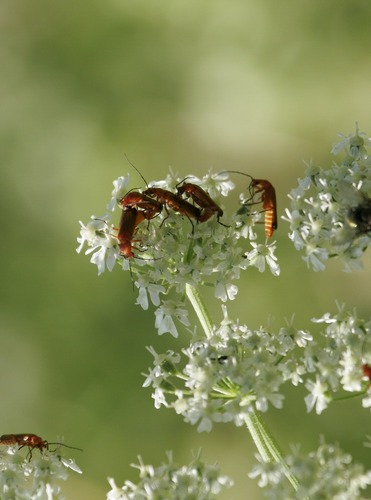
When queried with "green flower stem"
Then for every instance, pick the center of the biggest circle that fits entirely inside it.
(257, 434)
(200, 309)
(266, 444)
(262, 438)
(350, 396)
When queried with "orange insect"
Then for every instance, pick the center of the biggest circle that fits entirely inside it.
(173, 201)
(130, 219)
(268, 199)
(147, 205)
(203, 200)
(31, 441)
(165, 199)
(366, 371)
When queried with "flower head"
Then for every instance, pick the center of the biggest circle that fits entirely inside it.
(224, 377)
(330, 212)
(35, 477)
(167, 243)
(338, 360)
(101, 242)
(169, 480)
(327, 472)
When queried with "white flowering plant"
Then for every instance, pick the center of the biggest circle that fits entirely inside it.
(169, 480)
(35, 475)
(230, 372)
(174, 251)
(330, 213)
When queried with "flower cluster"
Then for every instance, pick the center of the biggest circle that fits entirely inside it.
(340, 361)
(330, 212)
(327, 472)
(173, 250)
(196, 480)
(35, 479)
(237, 370)
(229, 374)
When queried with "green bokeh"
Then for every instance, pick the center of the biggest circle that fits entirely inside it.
(252, 85)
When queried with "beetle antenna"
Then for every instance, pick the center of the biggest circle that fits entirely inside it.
(132, 164)
(67, 446)
(236, 172)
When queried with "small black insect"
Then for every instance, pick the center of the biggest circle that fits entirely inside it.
(359, 217)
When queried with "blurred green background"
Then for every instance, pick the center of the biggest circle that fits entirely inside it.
(248, 85)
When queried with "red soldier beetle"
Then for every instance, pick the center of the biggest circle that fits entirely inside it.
(366, 369)
(130, 219)
(32, 441)
(150, 207)
(203, 200)
(173, 201)
(366, 357)
(167, 199)
(267, 198)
